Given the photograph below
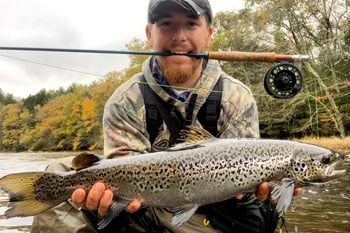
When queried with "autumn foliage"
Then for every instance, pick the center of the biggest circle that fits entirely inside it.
(60, 121)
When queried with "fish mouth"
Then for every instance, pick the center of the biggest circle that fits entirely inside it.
(331, 173)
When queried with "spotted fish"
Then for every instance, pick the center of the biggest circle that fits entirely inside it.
(200, 171)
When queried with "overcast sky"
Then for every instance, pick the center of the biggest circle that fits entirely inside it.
(79, 24)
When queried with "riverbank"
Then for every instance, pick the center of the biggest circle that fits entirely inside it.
(333, 143)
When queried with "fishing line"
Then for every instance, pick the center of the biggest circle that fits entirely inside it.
(51, 66)
(99, 75)
(202, 89)
(282, 81)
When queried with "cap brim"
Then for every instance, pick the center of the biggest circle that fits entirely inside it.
(161, 8)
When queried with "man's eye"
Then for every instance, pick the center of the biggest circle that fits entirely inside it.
(164, 24)
(193, 24)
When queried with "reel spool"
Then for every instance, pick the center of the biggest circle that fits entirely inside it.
(283, 81)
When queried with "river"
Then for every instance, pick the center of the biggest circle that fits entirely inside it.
(319, 209)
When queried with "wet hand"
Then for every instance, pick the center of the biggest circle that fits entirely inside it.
(100, 199)
(264, 191)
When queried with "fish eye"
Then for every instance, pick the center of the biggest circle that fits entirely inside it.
(326, 159)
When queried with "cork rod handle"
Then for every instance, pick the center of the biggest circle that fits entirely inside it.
(251, 56)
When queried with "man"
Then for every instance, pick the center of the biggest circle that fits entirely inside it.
(177, 26)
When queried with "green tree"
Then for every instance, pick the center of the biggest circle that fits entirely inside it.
(6, 98)
(41, 98)
(316, 28)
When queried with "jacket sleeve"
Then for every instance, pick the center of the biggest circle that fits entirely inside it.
(124, 121)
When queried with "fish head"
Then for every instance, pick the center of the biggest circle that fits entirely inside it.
(313, 164)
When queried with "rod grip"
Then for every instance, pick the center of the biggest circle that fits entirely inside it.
(242, 56)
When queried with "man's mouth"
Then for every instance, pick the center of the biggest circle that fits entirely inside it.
(179, 52)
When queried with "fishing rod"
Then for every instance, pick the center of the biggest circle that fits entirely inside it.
(281, 81)
(222, 55)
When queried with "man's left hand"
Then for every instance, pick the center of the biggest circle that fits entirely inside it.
(263, 192)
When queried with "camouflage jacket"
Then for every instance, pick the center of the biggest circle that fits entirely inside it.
(124, 119)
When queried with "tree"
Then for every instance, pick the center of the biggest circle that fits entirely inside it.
(319, 29)
(11, 129)
(136, 60)
(6, 98)
(41, 98)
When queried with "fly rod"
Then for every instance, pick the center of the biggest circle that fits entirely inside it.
(222, 55)
(282, 81)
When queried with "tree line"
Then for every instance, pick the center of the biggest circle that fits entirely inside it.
(71, 119)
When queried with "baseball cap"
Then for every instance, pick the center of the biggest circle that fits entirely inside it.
(159, 8)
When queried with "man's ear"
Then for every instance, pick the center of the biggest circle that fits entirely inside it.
(210, 33)
(149, 34)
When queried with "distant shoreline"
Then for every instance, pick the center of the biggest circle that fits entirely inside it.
(333, 143)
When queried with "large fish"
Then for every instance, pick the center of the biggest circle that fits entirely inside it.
(200, 171)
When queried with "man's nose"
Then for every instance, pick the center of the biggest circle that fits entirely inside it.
(180, 34)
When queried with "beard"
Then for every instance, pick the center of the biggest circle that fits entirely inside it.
(175, 74)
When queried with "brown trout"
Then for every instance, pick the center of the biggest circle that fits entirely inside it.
(200, 171)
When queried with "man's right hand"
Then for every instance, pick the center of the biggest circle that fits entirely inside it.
(99, 198)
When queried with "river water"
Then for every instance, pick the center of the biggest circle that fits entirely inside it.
(320, 209)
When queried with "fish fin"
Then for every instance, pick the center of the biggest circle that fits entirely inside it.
(282, 194)
(183, 214)
(184, 146)
(84, 160)
(114, 210)
(22, 200)
(195, 134)
(192, 137)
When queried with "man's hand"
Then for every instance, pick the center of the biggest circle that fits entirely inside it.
(263, 192)
(99, 198)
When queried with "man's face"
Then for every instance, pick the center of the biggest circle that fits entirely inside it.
(178, 32)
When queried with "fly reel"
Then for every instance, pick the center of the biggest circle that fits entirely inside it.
(283, 81)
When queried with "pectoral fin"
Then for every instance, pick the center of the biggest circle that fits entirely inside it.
(84, 160)
(183, 214)
(114, 210)
(282, 194)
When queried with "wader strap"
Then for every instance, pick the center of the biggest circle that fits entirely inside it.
(190, 108)
(153, 118)
(209, 113)
(157, 110)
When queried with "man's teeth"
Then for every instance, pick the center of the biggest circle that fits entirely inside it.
(179, 52)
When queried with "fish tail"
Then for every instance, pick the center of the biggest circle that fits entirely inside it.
(21, 190)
